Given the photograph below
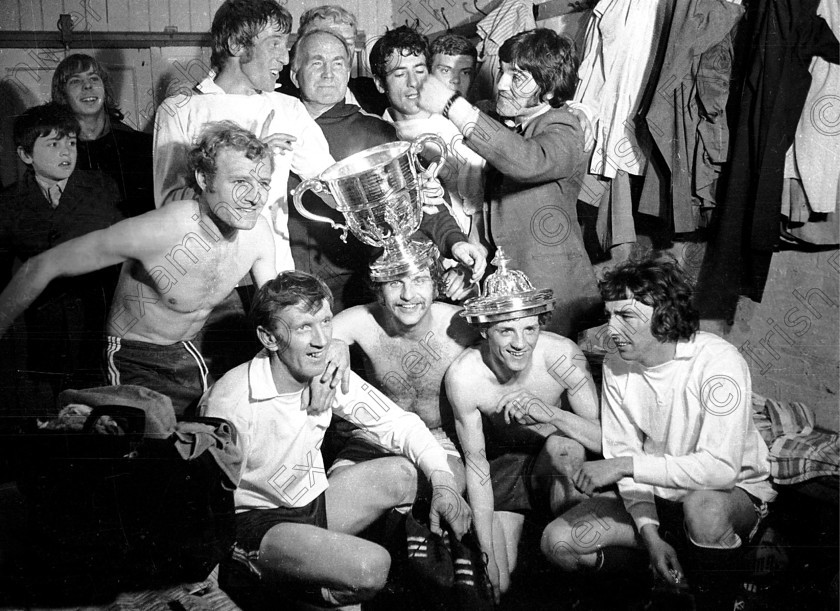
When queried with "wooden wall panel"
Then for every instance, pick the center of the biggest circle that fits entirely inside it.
(50, 12)
(88, 15)
(10, 16)
(187, 15)
(118, 17)
(201, 15)
(179, 14)
(30, 15)
(138, 15)
(158, 15)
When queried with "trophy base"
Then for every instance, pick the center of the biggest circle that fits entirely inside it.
(404, 259)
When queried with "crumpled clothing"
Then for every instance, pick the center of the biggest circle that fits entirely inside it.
(160, 416)
(74, 417)
(192, 439)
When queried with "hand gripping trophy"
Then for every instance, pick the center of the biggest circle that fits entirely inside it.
(379, 192)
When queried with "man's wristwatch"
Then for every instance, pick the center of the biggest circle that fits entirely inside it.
(449, 103)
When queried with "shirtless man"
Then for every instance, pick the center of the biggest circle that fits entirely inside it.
(408, 340)
(180, 262)
(536, 392)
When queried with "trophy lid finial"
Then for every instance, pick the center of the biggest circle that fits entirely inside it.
(508, 294)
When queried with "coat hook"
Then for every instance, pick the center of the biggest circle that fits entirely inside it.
(440, 15)
(475, 5)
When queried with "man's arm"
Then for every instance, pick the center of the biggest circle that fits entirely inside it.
(553, 154)
(350, 324)
(404, 432)
(311, 152)
(87, 253)
(569, 367)
(170, 149)
(479, 486)
(622, 439)
(623, 444)
(443, 230)
(264, 267)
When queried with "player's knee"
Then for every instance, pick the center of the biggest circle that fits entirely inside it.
(706, 519)
(372, 572)
(557, 544)
(565, 453)
(401, 481)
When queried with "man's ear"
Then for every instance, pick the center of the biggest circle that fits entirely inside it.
(483, 333)
(234, 47)
(24, 156)
(267, 339)
(293, 76)
(201, 180)
(380, 86)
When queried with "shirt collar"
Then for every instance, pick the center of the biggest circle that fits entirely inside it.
(260, 380)
(45, 186)
(530, 118)
(208, 85)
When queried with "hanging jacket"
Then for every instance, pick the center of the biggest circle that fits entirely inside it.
(687, 114)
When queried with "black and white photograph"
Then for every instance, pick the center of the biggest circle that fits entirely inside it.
(419, 305)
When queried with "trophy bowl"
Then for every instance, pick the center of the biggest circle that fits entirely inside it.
(378, 191)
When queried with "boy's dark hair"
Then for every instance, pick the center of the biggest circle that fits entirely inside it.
(549, 57)
(238, 22)
(219, 135)
(80, 62)
(452, 44)
(660, 283)
(291, 288)
(403, 40)
(41, 121)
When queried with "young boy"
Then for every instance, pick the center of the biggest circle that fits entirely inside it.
(453, 60)
(50, 205)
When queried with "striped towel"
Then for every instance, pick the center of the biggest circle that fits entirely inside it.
(798, 453)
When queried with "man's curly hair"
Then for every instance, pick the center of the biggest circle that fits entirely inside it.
(404, 41)
(219, 135)
(661, 283)
(549, 57)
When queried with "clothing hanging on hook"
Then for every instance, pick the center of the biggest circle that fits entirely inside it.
(509, 19)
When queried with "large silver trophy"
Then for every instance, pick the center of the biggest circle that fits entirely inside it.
(378, 192)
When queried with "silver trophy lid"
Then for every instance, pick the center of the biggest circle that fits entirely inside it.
(405, 259)
(508, 294)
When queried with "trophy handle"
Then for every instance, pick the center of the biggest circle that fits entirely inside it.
(317, 186)
(417, 146)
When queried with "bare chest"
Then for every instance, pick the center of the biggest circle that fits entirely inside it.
(195, 275)
(411, 371)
